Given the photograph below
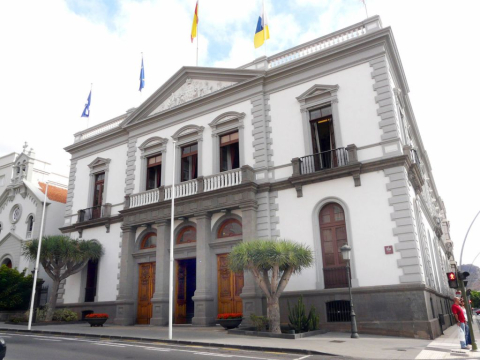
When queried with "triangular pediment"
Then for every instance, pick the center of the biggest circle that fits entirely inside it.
(10, 235)
(318, 90)
(188, 85)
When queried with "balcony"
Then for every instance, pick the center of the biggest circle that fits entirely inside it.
(200, 185)
(94, 213)
(415, 171)
(324, 166)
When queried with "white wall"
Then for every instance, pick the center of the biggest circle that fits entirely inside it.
(107, 267)
(369, 228)
(357, 113)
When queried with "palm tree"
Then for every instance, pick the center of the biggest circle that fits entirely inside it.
(272, 263)
(61, 257)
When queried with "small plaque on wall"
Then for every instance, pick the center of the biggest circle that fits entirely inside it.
(389, 250)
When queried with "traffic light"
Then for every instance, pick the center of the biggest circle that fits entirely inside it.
(452, 280)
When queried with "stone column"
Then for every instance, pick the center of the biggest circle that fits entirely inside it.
(204, 298)
(125, 300)
(251, 294)
(162, 275)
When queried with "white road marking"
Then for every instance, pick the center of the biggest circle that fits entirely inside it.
(303, 357)
(47, 339)
(110, 344)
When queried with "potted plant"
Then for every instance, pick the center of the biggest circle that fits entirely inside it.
(230, 320)
(96, 319)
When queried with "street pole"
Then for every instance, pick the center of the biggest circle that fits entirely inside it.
(30, 315)
(463, 245)
(352, 311)
(172, 224)
(469, 311)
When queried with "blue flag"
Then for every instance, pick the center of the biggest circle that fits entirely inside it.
(86, 111)
(142, 77)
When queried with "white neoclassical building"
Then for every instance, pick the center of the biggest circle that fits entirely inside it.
(318, 144)
(23, 180)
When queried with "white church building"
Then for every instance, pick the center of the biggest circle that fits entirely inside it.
(317, 144)
(23, 180)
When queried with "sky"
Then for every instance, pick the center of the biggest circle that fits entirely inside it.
(52, 51)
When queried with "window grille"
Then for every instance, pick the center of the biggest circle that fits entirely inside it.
(338, 311)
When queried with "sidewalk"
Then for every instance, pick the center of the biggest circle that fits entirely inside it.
(367, 346)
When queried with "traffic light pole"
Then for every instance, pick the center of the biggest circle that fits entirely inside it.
(469, 311)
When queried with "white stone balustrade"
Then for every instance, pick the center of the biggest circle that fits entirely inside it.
(222, 180)
(186, 188)
(145, 198)
(101, 128)
(313, 47)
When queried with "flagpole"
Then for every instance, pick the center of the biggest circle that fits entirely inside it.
(88, 117)
(365, 4)
(172, 223)
(264, 27)
(37, 262)
(198, 35)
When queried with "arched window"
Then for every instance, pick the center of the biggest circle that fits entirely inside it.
(187, 235)
(230, 227)
(333, 236)
(30, 223)
(0, 227)
(7, 262)
(149, 241)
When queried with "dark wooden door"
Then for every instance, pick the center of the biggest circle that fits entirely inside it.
(181, 303)
(91, 283)
(333, 236)
(146, 288)
(230, 287)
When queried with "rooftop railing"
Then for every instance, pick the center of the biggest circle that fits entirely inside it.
(325, 42)
(98, 129)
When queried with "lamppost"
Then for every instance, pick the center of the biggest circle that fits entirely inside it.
(345, 249)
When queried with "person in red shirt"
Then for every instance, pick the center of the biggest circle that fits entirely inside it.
(460, 317)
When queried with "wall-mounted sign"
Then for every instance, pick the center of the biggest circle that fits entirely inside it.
(388, 249)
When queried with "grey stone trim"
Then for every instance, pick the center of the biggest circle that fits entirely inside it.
(139, 239)
(315, 97)
(262, 140)
(385, 100)
(130, 170)
(98, 166)
(71, 187)
(405, 230)
(150, 147)
(219, 222)
(267, 218)
(188, 134)
(224, 124)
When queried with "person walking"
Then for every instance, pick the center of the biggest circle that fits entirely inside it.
(468, 339)
(458, 313)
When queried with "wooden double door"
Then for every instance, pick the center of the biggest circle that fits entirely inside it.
(146, 288)
(230, 287)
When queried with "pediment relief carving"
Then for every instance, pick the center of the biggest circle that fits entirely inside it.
(188, 130)
(153, 141)
(228, 117)
(191, 90)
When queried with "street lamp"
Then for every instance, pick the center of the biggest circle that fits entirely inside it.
(345, 249)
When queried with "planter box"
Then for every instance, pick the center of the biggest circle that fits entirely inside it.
(229, 323)
(96, 321)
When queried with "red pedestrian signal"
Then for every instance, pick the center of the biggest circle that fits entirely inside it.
(452, 280)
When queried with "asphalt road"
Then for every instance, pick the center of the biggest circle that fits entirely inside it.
(32, 347)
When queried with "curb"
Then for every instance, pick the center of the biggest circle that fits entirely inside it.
(177, 342)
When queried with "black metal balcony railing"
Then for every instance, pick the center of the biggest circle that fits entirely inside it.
(414, 156)
(95, 212)
(324, 160)
(335, 277)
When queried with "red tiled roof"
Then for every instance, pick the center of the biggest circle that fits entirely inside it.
(54, 193)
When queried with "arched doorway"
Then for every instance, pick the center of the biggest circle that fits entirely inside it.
(186, 278)
(146, 281)
(333, 235)
(7, 262)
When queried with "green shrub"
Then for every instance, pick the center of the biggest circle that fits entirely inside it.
(64, 315)
(15, 289)
(18, 319)
(260, 322)
(299, 321)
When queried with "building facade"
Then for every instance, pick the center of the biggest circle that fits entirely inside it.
(318, 144)
(23, 180)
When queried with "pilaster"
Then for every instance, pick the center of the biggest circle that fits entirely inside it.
(203, 298)
(160, 298)
(125, 299)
